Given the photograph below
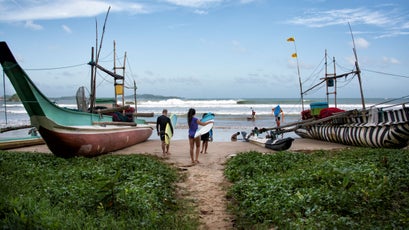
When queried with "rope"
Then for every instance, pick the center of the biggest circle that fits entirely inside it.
(54, 68)
(390, 74)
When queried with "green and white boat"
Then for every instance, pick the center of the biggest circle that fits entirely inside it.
(70, 133)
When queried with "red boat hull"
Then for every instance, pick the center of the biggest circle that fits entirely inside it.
(94, 142)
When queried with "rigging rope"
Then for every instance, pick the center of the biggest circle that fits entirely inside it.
(54, 68)
(394, 99)
(390, 74)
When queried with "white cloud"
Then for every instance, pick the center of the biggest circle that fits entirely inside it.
(60, 9)
(31, 25)
(247, 1)
(194, 3)
(391, 20)
(390, 60)
(315, 18)
(200, 12)
(361, 43)
(66, 29)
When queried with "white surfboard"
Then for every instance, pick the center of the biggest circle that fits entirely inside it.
(204, 129)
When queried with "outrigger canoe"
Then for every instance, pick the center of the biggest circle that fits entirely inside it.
(69, 133)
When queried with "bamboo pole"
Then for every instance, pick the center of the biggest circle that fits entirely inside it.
(312, 121)
(11, 128)
(115, 109)
(119, 123)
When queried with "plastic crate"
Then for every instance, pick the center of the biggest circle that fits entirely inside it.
(316, 107)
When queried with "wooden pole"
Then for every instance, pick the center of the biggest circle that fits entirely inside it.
(92, 94)
(299, 77)
(115, 83)
(4, 97)
(358, 71)
(134, 97)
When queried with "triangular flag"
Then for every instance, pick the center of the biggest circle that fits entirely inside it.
(294, 55)
(290, 39)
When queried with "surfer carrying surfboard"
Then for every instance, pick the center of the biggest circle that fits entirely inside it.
(278, 113)
(161, 123)
(194, 140)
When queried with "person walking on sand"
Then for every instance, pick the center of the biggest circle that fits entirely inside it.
(278, 114)
(193, 124)
(205, 139)
(161, 123)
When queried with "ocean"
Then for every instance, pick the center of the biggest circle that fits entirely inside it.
(230, 114)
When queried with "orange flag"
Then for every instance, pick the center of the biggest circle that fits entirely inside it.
(290, 39)
(294, 55)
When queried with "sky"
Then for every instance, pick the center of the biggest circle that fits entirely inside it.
(212, 48)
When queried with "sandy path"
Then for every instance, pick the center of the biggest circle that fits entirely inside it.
(205, 184)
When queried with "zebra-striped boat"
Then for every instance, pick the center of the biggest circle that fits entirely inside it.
(379, 128)
(368, 128)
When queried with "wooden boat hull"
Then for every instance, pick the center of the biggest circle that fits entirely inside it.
(277, 145)
(392, 132)
(92, 142)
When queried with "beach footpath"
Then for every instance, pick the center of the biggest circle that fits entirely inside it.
(205, 185)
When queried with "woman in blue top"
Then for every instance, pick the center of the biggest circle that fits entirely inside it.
(194, 123)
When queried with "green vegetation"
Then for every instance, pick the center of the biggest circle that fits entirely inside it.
(351, 189)
(14, 98)
(40, 191)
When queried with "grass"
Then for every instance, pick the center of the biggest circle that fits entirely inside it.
(40, 191)
(358, 188)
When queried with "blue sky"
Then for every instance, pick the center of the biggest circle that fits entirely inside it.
(212, 48)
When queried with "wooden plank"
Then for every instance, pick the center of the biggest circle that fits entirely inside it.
(120, 123)
(11, 128)
(18, 143)
(111, 110)
(295, 125)
(143, 114)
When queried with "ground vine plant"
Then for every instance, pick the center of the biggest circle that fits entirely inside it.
(40, 191)
(357, 188)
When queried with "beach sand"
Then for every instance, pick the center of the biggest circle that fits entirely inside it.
(205, 184)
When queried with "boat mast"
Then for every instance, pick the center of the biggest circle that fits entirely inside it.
(330, 80)
(326, 74)
(299, 78)
(335, 83)
(94, 64)
(358, 71)
(92, 94)
(119, 81)
(134, 96)
(295, 55)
